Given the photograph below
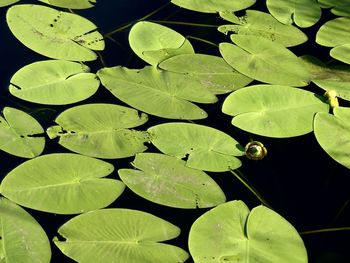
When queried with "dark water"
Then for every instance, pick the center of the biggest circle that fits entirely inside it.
(298, 179)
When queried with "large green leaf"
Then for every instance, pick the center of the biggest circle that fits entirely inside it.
(54, 33)
(304, 13)
(204, 148)
(54, 82)
(119, 235)
(62, 184)
(264, 60)
(100, 130)
(332, 133)
(7, 2)
(232, 233)
(166, 180)
(154, 43)
(22, 239)
(256, 23)
(160, 93)
(211, 71)
(73, 4)
(18, 132)
(274, 111)
(214, 6)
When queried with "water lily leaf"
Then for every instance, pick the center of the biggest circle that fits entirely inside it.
(341, 53)
(160, 93)
(54, 82)
(100, 130)
(72, 4)
(204, 148)
(119, 235)
(211, 71)
(230, 232)
(17, 130)
(334, 32)
(213, 6)
(166, 180)
(339, 7)
(53, 33)
(7, 2)
(62, 183)
(256, 23)
(154, 43)
(304, 13)
(332, 133)
(22, 238)
(267, 61)
(273, 110)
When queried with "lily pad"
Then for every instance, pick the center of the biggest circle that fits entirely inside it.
(167, 181)
(232, 233)
(256, 23)
(62, 184)
(273, 110)
(160, 93)
(72, 4)
(54, 82)
(338, 7)
(154, 43)
(304, 13)
(214, 6)
(53, 33)
(7, 2)
(211, 71)
(266, 61)
(100, 130)
(119, 235)
(18, 134)
(204, 148)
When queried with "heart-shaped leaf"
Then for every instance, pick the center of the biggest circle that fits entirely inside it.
(72, 4)
(339, 7)
(214, 6)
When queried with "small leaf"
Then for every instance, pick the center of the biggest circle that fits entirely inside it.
(119, 235)
(72, 4)
(7, 2)
(214, 6)
(335, 32)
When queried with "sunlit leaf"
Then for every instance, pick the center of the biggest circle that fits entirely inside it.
(232, 233)
(214, 6)
(62, 184)
(205, 148)
(73, 4)
(7, 2)
(339, 7)
(17, 134)
(100, 130)
(119, 235)
(273, 110)
(334, 32)
(341, 53)
(167, 181)
(53, 33)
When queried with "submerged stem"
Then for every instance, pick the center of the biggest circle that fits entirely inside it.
(182, 23)
(324, 230)
(203, 40)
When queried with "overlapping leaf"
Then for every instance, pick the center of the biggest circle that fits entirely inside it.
(73, 4)
(7, 2)
(338, 7)
(214, 6)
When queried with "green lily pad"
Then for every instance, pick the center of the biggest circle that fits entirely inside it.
(160, 93)
(338, 7)
(72, 4)
(204, 148)
(167, 181)
(17, 134)
(341, 53)
(154, 43)
(119, 235)
(100, 130)
(62, 184)
(304, 13)
(7, 2)
(213, 6)
(232, 233)
(54, 82)
(266, 61)
(256, 23)
(211, 71)
(53, 33)
(273, 110)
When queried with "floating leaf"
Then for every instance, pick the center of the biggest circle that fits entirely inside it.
(154, 43)
(54, 82)
(119, 235)
(73, 4)
(214, 6)
(62, 184)
(204, 148)
(332, 133)
(266, 61)
(232, 233)
(7, 2)
(256, 23)
(339, 7)
(100, 130)
(54, 33)
(160, 93)
(17, 134)
(341, 53)
(304, 13)
(167, 181)
(273, 110)
(211, 71)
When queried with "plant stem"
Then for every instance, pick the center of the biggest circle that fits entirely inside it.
(203, 40)
(324, 230)
(182, 23)
(341, 210)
